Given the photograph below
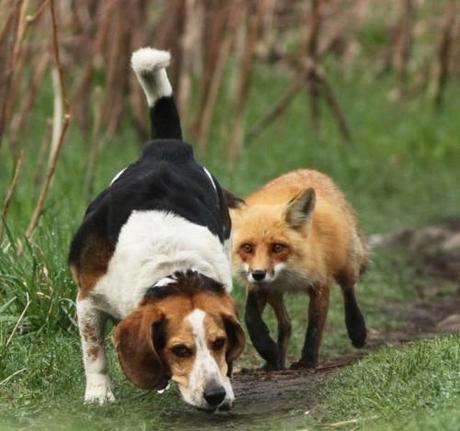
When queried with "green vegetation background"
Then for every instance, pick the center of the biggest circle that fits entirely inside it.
(403, 170)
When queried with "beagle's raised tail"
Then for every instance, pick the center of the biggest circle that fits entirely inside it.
(149, 66)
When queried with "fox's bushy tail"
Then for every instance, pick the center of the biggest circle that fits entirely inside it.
(149, 66)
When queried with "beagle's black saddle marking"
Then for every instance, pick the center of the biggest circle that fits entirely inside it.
(166, 178)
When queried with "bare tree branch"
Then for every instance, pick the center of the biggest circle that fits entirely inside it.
(58, 93)
(444, 51)
(19, 26)
(10, 192)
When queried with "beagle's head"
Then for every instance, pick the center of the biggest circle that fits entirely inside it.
(187, 331)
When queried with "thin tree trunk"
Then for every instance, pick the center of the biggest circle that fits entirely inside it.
(443, 54)
(311, 46)
(188, 38)
(209, 96)
(402, 47)
(10, 192)
(82, 95)
(253, 24)
(95, 147)
(19, 18)
(336, 110)
(117, 69)
(65, 124)
(19, 120)
(41, 156)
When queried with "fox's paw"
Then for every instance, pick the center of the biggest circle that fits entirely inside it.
(270, 367)
(357, 333)
(359, 340)
(303, 364)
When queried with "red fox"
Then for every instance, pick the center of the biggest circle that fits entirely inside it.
(298, 234)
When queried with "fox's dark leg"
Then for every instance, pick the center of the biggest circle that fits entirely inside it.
(284, 326)
(317, 314)
(354, 320)
(258, 330)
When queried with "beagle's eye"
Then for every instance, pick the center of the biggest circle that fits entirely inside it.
(278, 248)
(182, 351)
(247, 248)
(218, 344)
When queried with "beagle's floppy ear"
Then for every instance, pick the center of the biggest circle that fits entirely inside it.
(236, 340)
(138, 339)
(300, 208)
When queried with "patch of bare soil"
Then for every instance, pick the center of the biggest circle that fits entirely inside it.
(264, 401)
(282, 399)
(433, 250)
(290, 394)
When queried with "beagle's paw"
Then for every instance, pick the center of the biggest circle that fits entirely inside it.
(98, 390)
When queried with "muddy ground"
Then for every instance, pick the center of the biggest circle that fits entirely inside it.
(283, 399)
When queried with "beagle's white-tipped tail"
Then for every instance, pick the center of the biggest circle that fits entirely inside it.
(149, 65)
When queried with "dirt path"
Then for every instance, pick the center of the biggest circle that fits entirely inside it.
(283, 399)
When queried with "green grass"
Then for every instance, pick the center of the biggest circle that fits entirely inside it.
(401, 171)
(413, 388)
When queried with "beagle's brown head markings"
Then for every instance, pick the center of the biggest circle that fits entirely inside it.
(186, 331)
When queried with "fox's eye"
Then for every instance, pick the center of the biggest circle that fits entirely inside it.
(218, 344)
(247, 248)
(278, 248)
(182, 351)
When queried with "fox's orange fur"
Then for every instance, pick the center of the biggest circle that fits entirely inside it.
(301, 232)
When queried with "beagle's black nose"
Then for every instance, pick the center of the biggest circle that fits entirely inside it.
(214, 395)
(258, 275)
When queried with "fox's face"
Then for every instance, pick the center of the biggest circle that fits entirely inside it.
(269, 240)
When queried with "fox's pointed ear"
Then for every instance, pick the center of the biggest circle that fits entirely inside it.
(299, 208)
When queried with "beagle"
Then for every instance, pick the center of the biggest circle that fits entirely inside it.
(152, 255)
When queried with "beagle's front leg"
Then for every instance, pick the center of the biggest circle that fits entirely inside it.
(91, 323)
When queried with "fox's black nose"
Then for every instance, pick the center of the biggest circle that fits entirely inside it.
(258, 275)
(214, 395)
